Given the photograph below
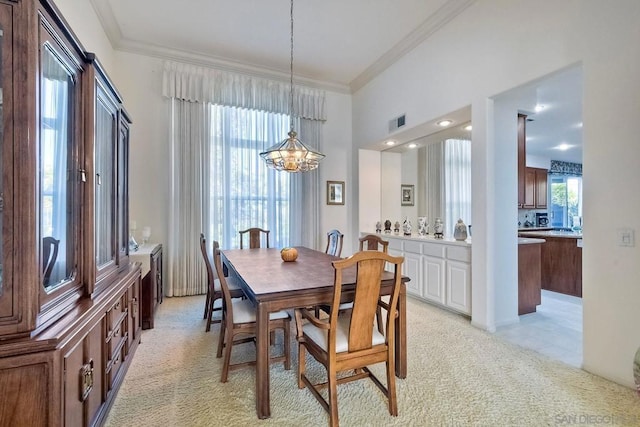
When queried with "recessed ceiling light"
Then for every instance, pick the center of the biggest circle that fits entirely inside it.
(445, 122)
(390, 143)
(467, 128)
(412, 145)
(539, 107)
(563, 147)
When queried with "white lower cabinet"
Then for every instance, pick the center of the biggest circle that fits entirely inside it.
(412, 268)
(440, 271)
(458, 287)
(433, 282)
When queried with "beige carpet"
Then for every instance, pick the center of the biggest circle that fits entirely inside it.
(458, 376)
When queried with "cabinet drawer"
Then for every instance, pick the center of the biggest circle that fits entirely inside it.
(119, 333)
(433, 249)
(115, 314)
(413, 247)
(459, 253)
(115, 362)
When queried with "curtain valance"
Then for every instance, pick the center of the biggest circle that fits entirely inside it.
(565, 168)
(200, 84)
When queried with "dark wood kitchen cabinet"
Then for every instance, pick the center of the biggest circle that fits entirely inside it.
(69, 298)
(535, 188)
(529, 277)
(522, 159)
(532, 182)
(562, 265)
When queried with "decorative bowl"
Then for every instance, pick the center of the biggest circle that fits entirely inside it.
(289, 254)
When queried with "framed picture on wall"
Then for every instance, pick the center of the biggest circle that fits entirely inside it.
(335, 192)
(406, 194)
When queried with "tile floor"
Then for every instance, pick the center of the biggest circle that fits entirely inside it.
(555, 329)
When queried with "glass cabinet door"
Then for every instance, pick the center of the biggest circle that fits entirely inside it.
(106, 127)
(123, 184)
(57, 189)
(59, 176)
(6, 154)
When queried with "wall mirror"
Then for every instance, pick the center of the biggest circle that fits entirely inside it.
(438, 165)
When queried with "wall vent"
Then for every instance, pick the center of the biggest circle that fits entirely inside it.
(397, 123)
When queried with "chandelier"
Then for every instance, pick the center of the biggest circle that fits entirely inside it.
(291, 154)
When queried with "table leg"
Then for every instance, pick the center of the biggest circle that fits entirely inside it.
(262, 362)
(401, 333)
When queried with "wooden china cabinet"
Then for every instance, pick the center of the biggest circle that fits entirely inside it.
(69, 297)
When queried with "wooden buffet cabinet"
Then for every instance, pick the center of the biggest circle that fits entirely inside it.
(149, 255)
(69, 297)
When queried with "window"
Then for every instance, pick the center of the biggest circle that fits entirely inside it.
(566, 201)
(245, 193)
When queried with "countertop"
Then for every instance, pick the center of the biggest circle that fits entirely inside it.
(529, 241)
(427, 238)
(534, 229)
(551, 233)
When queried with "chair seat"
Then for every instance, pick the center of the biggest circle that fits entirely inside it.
(321, 336)
(245, 312)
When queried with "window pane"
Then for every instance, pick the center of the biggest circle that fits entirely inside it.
(244, 192)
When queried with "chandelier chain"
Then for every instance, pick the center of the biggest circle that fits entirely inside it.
(291, 72)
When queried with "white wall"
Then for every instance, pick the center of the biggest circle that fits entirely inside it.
(497, 45)
(370, 179)
(391, 179)
(338, 166)
(85, 24)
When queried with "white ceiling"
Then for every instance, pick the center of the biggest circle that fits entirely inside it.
(338, 45)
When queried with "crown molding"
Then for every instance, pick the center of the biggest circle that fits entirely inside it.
(208, 60)
(442, 16)
(433, 23)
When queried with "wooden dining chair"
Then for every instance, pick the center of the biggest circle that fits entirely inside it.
(334, 243)
(371, 242)
(213, 302)
(239, 324)
(255, 237)
(351, 342)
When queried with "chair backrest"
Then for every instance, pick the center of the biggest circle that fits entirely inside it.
(369, 266)
(334, 243)
(371, 242)
(255, 237)
(49, 257)
(207, 261)
(226, 294)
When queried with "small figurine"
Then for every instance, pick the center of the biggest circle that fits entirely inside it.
(406, 227)
(396, 228)
(378, 227)
(423, 226)
(438, 229)
(460, 231)
(387, 227)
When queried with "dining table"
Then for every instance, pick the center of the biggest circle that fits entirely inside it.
(272, 284)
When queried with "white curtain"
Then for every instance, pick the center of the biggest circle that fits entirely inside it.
(435, 199)
(189, 197)
(197, 92)
(457, 183)
(449, 183)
